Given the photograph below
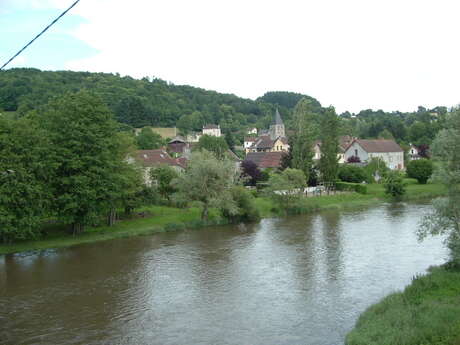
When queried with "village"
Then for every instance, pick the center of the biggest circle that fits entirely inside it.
(267, 147)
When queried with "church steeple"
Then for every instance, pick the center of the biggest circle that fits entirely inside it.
(277, 127)
(277, 120)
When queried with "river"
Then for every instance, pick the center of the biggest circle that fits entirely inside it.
(297, 280)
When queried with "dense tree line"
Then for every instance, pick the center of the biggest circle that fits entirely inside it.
(144, 102)
(155, 102)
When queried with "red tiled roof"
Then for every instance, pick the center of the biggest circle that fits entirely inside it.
(250, 139)
(266, 159)
(263, 142)
(379, 145)
(150, 158)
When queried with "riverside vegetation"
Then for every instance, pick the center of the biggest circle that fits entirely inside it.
(427, 311)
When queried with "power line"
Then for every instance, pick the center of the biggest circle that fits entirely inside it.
(41, 33)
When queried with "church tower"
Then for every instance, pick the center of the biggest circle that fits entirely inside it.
(277, 127)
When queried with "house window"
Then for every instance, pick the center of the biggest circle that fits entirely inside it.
(356, 152)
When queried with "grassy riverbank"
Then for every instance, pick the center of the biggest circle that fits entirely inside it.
(427, 312)
(161, 218)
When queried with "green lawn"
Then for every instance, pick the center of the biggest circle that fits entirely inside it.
(163, 218)
(427, 312)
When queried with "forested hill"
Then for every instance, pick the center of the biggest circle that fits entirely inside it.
(145, 102)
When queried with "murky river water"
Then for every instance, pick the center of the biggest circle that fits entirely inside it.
(301, 280)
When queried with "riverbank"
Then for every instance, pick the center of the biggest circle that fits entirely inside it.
(162, 219)
(427, 312)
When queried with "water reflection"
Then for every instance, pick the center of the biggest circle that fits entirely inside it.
(300, 280)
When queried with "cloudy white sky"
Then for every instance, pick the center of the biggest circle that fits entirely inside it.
(353, 54)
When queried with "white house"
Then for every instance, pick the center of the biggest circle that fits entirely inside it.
(213, 130)
(252, 131)
(414, 152)
(387, 150)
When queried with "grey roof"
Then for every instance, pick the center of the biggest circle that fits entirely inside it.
(277, 120)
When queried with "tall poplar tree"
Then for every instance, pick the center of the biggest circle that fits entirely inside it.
(302, 141)
(329, 136)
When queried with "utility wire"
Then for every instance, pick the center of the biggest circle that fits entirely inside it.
(41, 33)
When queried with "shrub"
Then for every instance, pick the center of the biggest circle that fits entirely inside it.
(394, 185)
(420, 169)
(352, 173)
(351, 187)
(354, 159)
(246, 208)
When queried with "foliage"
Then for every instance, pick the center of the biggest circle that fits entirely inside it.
(25, 171)
(445, 217)
(88, 155)
(250, 173)
(217, 145)
(287, 186)
(376, 169)
(420, 169)
(162, 176)
(230, 140)
(302, 141)
(351, 187)
(352, 173)
(329, 136)
(246, 207)
(208, 181)
(354, 159)
(149, 140)
(427, 312)
(394, 185)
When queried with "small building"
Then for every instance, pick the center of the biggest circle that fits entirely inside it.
(414, 152)
(178, 146)
(252, 131)
(248, 142)
(213, 130)
(150, 159)
(266, 160)
(387, 150)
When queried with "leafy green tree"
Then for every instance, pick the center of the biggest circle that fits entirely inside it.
(394, 185)
(149, 140)
(302, 142)
(208, 181)
(217, 145)
(230, 140)
(351, 173)
(445, 217)
(86, 151)
(25, 171)
(246, 207)
(286, 187)
(162, 176)
(329, 135)
(376, 169)
(420, 169)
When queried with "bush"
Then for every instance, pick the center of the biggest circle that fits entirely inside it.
(420, 169)
(351, 187)
(352, 173)
(247, 210)
(394, 185)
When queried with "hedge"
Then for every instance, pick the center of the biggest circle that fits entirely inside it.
(351, 187)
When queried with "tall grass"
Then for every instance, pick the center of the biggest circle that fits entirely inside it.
(427, 312)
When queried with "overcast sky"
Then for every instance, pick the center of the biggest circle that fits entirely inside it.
(352, 54)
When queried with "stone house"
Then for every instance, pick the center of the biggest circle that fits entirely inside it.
(387, 150)
(150, 159)
(344, 142)
(212, 130)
